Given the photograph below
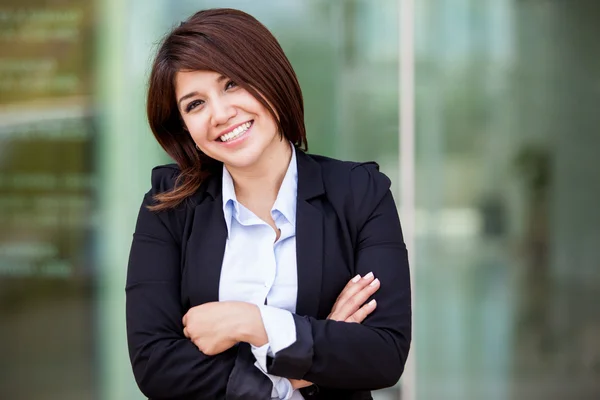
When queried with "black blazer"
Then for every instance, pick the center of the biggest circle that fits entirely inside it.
(347, 224)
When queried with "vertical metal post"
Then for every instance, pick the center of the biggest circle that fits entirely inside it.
(406, 162)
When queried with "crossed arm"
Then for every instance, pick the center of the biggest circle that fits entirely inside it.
(167, 364)
(215, 327)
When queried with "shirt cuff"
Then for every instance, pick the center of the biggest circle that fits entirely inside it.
(282, 387)
(281, 333)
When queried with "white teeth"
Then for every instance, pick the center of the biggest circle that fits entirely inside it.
(236, 132)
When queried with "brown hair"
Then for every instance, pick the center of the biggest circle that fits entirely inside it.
(238, 46)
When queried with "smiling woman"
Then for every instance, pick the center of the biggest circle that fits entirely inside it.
(211, 54)
(227, 123)
(257, 270)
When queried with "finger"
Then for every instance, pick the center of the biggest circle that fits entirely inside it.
(299, 384)
(184, 320)
(353, 287)
(348, 308)
(362, 313)
(186, 332)
(346, 305)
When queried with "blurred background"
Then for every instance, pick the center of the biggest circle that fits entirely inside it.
(506, 257)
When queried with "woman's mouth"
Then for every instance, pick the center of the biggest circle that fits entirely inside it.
(237, 133)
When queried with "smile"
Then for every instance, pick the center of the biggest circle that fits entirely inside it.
(236, 133)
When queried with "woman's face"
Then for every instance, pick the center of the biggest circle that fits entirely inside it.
(226, 122)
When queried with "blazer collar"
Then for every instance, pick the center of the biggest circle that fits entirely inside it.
(310, 180)
(309, 235)
(214, 184)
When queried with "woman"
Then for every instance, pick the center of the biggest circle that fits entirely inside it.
(257, 270)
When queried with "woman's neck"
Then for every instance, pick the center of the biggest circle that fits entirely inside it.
(260, 183)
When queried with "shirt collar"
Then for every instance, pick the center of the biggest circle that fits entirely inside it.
(286, 197)
(230, 203)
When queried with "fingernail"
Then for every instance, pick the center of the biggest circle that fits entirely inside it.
(375, 282)
(368, 276)
(372, 303)
(356, 278)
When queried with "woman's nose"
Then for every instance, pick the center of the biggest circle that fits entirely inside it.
(222, 112)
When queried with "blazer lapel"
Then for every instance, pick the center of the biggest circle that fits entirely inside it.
(209, 234)
(309, 235)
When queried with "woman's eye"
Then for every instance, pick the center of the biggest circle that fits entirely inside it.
(193, 105)
(230, 85)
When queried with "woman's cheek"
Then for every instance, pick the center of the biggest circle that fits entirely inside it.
(198, 129)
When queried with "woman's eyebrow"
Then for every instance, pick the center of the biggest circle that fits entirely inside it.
(187, 96)
(219, 79)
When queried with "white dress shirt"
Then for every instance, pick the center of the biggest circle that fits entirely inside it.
(259, 270)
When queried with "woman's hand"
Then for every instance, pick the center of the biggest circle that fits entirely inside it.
(350, 305)
(213, 327)
(299, 384)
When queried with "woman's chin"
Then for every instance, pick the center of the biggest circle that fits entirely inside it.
(243, 161)
(246, 156)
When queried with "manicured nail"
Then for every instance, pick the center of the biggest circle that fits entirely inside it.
(375, 282)
(372, 303)
(356, 278)
(368, 276)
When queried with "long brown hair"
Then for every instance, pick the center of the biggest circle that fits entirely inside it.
(239, 47)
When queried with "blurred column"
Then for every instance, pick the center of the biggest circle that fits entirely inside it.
(406, 164)
(575, 120)
(574, 197)
(126, 155)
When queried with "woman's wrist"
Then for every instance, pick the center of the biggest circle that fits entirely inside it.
(249, 326)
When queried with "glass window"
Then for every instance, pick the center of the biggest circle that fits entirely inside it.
(507, 256)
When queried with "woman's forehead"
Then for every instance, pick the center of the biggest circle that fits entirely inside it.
(199, 78)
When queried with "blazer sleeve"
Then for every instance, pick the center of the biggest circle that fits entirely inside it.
(166, 364)
(370, 355)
